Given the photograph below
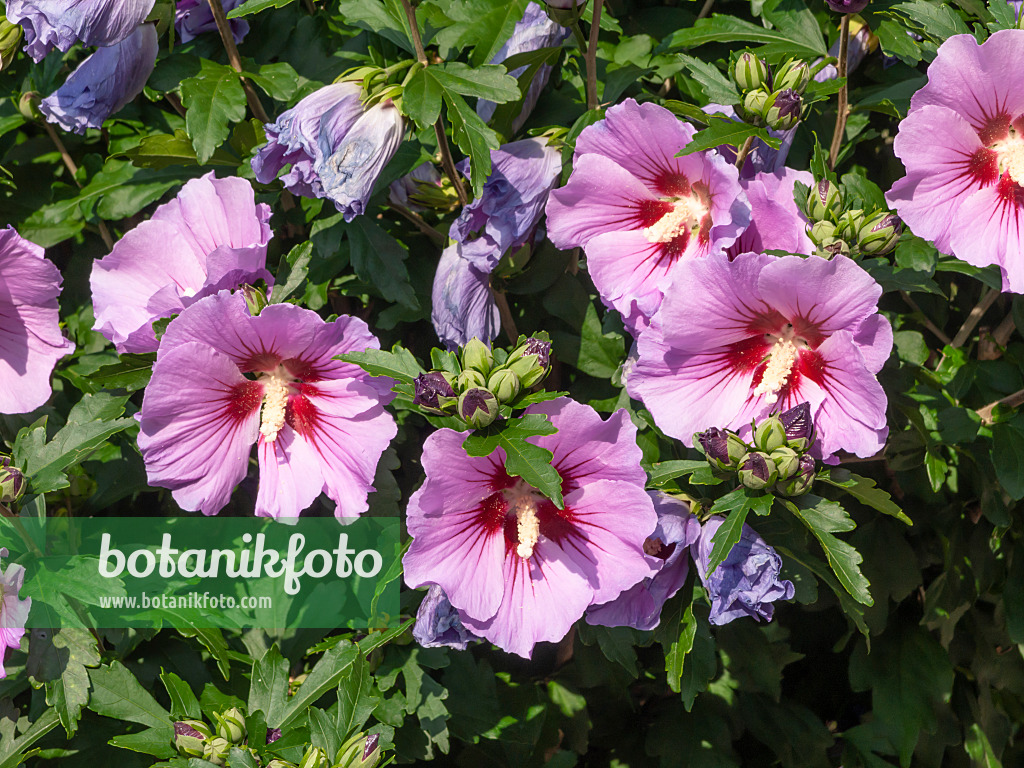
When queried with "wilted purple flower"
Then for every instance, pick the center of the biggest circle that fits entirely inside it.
(31, 342)
(438, 624)
(212, 236)
(103, 83)
(60, 24)
(500, 221)
(747, 582)
(667, 551)
(517, 569)
(293, 139)
(534, 31)
(322, 427)
(194, 17)
(775, 220)
(847, 6)
(13, 611)
(862, 42)
(962, 143)
(736, 340)
(639, 211)
(429, 387)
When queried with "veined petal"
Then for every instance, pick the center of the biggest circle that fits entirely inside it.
(989, 229)
(290, 475)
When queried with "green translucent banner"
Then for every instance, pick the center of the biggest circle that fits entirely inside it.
(207, 572)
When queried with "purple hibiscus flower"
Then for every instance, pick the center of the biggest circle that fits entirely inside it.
(31, 342)
(319, 424)
(438, 624)
(103, 83)
(962, 143)
(739, 339)
(503, 219)
(13, 611)
(59, 24)
(667, 551)
(212, 236)
(534, 31)
(194, 17)
(775, 220)
(639, 211)
(747, 582)
(517, 569)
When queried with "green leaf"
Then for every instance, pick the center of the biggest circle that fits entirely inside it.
(725, 131)
(718, 88)
(214, 99)
(250, 7)
(663, 471)
(152, 741)
(489, 82)
(822, 517)
(895, 41)
(117, 694)
(728, 29)
(292, 272)
(279, 81)
(865, 491)
(737, 504)
(398, 364)
(268, 687)
(132, 373)
(188, 624)
(76, 579)
(58, 659)
(355, 701)
(484, 25)
(853, 610)
(937, 20)
(473, 137)
(324, 676)
(1004, 15)
(1008, 455)
(160, 150)
(977, 744)
(184, 703)
(379, 260)
(530, 63)
(90, 423)
(522, 459)
(421, 98)
(13, 750)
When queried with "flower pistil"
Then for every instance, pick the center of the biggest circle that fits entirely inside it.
(277, 388)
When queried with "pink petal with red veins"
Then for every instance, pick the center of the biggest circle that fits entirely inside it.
(290, 476)
(989, 229)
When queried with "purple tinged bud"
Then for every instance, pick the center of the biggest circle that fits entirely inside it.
(787, 462)
(430, 388)
(360, 751)
(824, 200)
(477, 356)
(12, 481)
(784, 111)
(190, 737)
(794, 74)
(799, 426)
(847, 6)
(478, 407)
(531, 361)
(800, 483)
(255, 299)
(770, 434)
(469, 379)
(540, 348)
(880, 234)
(757, 471)
(751, 72)
(724, 450)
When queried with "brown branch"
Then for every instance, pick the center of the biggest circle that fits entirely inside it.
(1001, 335)
(744, 151)
(1012, 401)
(414, 27)
(508, 323)
(987, 300)
(706, 9)
(590, 56)
(69, 163)
(224, 27)
(939, 333)
(837, 134)
(436, 237)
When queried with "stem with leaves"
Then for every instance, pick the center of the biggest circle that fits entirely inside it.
(224, 28)
(1011, 401)
(744, 151)
(837, 134)
(69, 163)
(590, 56)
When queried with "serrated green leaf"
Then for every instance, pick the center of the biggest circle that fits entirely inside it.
(483, 25)
(728, 29)
(152, 741)
(250, 7)
(379, 260)
(76, 578)
(292, 272)
(723, 131)
(937, 20)
(1004, 15)
(473, 137)
(663, 471)
(824, 514)
(844, 559)
(489, 82)
(737, 504)
(421, 98)
(160, 150)
(522, 458)
(268, 687)
(131, 373)
(279, 80)
(398, 364)
(324, 676)
(184, 703)
(58, 659)
(864, 490)
(714, 85)
(213, 99)
(118, 694)
(14, 750)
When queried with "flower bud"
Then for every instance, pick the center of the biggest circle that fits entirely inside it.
(231, 725)
(255, 299)
(504, 384)
(724, 450)
(770, 434)
(279, 763)
(217, 750)
(190, 737)
(565, 12)
(823, 232)
(880, 234)
(28, 105)
(784, 110)
(794, 75)
(800, 483)
(834, 246)
(12, 481)
(10, 39)
(531, 361)
(314, 758)
(847, 6)
(478, 407)
(469, 379)
(751, 72)
(757, 471)
(433, 391)
(849, 223)
(361, 751)
(477, 356)
(824, 201)
(787, 462)
(755, 103)
(799, 426)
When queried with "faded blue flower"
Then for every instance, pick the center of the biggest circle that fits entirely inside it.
(59, 24)
(194, 17)
(438, 623)
(463, 306)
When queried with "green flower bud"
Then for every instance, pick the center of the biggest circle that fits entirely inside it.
(478, 407)
(723, 449)
(800, 483)
(755, 104)
(314, 758)
(757, 471)
(787, 462)
(880, 234)
(794, 75)
(255, 299)
(279, 763)
(28, 105)
(12, 481)
(190, 737)
(531, 361)
(477, 356)
(504, 384)
(824, 201)
(361, 751)
(822, 232)
(783, 110)
(469, 379)
(834, 247)
(751, 72)
(217, 750)
(10, 39)
(231, 725)
(849, 224)
(770, 434)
